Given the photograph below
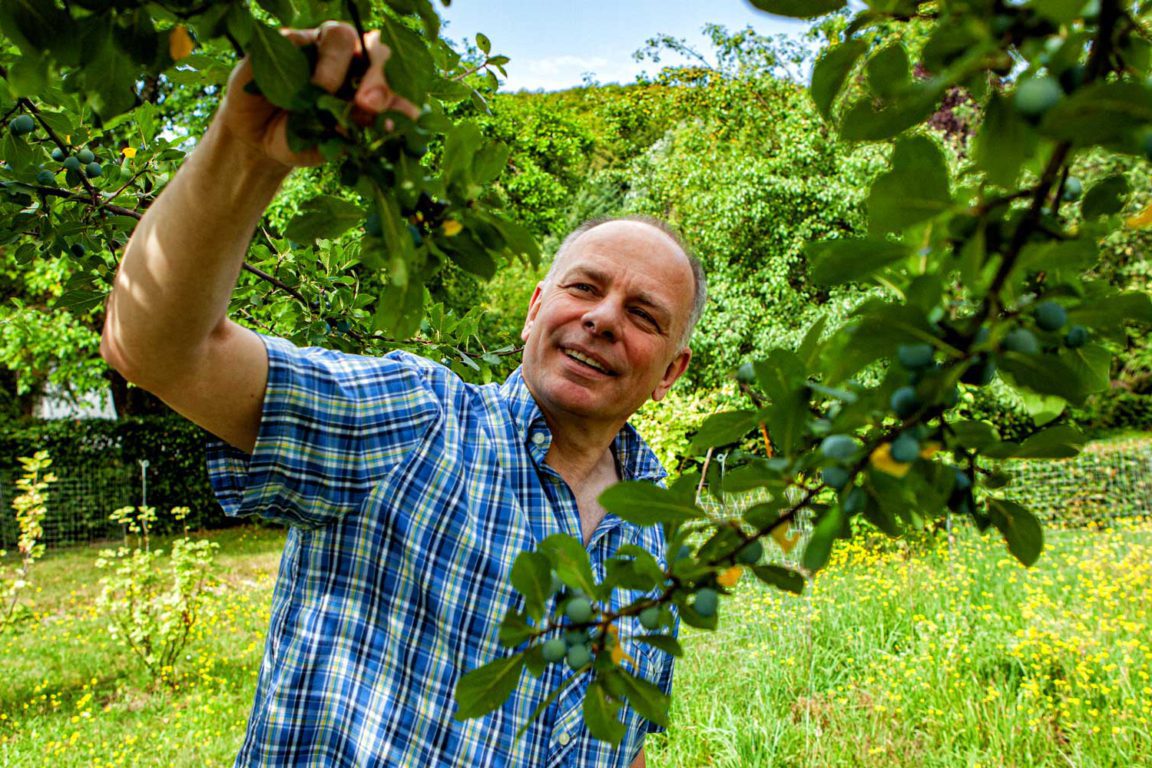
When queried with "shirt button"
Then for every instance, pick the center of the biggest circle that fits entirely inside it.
(538, 438)
(564, 739)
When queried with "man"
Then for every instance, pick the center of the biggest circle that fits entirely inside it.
(409, 493)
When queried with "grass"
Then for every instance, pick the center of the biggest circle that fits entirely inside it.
(893, 659)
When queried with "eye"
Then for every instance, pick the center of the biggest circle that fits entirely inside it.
(582, 287)
(646, 318)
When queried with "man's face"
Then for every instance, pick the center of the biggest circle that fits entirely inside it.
(603, 334)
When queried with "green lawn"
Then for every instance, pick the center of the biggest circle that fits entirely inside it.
(894, 658)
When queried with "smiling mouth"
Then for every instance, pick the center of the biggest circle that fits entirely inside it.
(589, 362)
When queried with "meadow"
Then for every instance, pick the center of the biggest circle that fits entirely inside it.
(899, 655)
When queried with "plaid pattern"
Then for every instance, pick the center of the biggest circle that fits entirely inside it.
(410, 493)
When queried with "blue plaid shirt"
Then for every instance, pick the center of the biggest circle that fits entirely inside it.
(410, 493)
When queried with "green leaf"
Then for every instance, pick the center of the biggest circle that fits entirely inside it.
(1106, 197)
(400, 309)
(809, 350)
(888, 70)
(799, 9)
(780, 577)
(824, 533)
(601, 714)
(645, 697)
(866, 120)
(666, 643)
(643, 503)
(570, 561)
(1059, 442)
(532, 578)
(515, 629)
(324, 217)
(974, 435)
(1114, 309)
(1004, 143)
(1100, 113)
(1021, 529)
(1045, 374)
(915, 190)
(724, 428)
(851, 259)
(278, 67)
(410, 67)
(483, 43)
(831, 71)
(487, 688)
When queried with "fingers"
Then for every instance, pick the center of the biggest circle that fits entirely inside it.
(336, 44)
(374, 95)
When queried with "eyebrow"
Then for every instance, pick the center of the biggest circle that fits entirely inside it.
(665, 314)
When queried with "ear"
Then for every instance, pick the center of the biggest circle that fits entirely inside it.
(533, 310)
(674, 371)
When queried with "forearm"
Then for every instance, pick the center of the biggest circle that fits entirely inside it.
(179, 269)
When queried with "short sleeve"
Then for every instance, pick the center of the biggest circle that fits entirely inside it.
(332, 425)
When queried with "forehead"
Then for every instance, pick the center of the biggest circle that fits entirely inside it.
(636, 253)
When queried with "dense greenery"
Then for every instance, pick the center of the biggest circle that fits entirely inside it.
(933, 233)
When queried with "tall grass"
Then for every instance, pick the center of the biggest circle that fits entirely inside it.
(895, 658)
(931, 659)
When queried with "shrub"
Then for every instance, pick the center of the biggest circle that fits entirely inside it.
(153, 601)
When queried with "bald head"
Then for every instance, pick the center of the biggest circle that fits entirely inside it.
(677, 251)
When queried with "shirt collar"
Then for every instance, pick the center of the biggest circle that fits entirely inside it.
(633, 456)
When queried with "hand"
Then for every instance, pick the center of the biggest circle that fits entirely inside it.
(262, 126)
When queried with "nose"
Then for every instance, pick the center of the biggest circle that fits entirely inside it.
(602, 320)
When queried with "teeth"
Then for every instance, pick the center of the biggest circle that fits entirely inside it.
(586, 360)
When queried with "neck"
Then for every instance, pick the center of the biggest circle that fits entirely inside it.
(580, 450)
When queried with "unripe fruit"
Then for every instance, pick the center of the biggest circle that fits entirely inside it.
(579, 609)
(750, 553)
(684, 552)
(45, 178)
(1021, 340)
(905, 402)
(58, 155)
(905, 448)
(85, 156)
(962, 483)
(72, 163)
(93, 169)
(78, 249)
(838, 447)
(915, 357)
(555, 650)
(579, 656)
(576, 637)
(1035, 96)
(21, 125)
(1050, 316)
(650, 617)
(1073, 189)
(1077, 337)
(835, 477)
(746, 374)
(707, 600)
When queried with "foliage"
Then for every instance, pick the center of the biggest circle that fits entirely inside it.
(153, 601)
(94, 105)
(30, 508)
(969, 276)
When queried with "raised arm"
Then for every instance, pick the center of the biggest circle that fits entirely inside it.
(167, 329)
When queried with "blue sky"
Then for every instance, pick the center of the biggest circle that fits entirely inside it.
(553, 43)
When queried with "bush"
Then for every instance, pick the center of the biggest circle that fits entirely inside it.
(96, 461)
